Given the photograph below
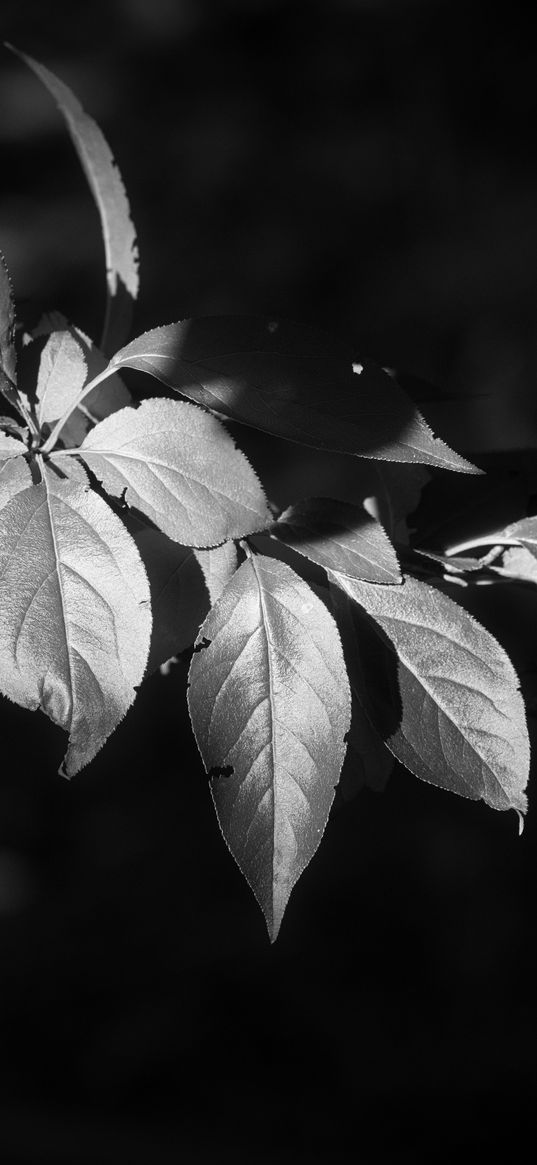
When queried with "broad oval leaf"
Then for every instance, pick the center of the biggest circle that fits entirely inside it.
(463, 724)
(62, 375)
(291, 381)
(75, 616)
(338, 536)
(270, 706)
(14, 476)
(107, 187)
(178, 466)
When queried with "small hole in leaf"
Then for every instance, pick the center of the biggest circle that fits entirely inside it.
(218, 771)
(202, 644)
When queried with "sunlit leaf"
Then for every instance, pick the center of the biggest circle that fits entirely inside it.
(14, 476)
(340, 537)
(270, 706)
(104, 399)
(178, 466)
(290, 381)
(10, 446)
(62, 374)
(107, 187)
(462, 723)
(75, 618)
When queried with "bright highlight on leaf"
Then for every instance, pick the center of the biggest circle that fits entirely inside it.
(75, 618)
(270, 706)
(291, 381)
(463, 724)
(178, 466)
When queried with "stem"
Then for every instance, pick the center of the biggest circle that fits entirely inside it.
(53, 436)
(490, 540)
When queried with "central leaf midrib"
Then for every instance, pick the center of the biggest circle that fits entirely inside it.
(273, 717)
(62, 597)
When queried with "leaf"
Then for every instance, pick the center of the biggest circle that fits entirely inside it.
(270, 706)
(398, 491)
(525, 532)
(463, 724)
(340, 537)
(107, 187)
(291, 381)
(14, 476)
(62, 375)
(8, 358)
(369, 761)
(10, 446)
(105, 398)
(75, 618)
(178, 466)
(179, 596)
(218, 565)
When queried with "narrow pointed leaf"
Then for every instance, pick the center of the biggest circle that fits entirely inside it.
(75, 616)
(14, 476)
(290, 381)
(463, 724)
(107, 187)
(218, 565)
(62, 375)
(8, 359)
(270, 707)
(339, 537)
(178, 466)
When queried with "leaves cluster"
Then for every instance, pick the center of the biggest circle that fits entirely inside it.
(130, 532)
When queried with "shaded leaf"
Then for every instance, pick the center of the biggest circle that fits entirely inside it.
(340, 537)
(369, 761)
(178, 466)
(291, 381)
(14, 476)
(179, 596)
(107, 187)
(75, 616)
(62, 374)
(218, 565)
(270, 706)
(463, 724)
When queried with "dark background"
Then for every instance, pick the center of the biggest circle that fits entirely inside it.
(371, 167)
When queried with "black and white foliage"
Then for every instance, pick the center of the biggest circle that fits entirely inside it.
(126, 537)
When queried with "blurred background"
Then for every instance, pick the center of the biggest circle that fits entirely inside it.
(369, 166)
